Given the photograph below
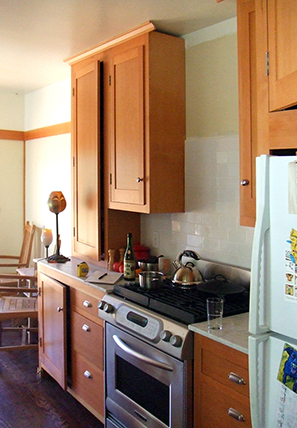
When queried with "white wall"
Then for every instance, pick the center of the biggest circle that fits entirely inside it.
(11, 174)
(48, 163)
(210, 224)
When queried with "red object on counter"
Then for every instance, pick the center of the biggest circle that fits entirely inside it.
(141, 251)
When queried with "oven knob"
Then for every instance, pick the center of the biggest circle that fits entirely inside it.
(101, 304)
(165, 335)
(108, 308)
(176, 341)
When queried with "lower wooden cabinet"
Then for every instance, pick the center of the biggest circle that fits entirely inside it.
(221, 386)
(71, 337)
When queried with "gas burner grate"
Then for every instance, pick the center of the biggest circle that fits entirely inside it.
(187, 306)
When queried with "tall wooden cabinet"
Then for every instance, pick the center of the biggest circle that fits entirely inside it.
(267, 66)
(247, 88)
(128, 134)
(86, 156)
(146, 132)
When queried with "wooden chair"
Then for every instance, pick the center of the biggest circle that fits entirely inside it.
(23, 259)
(18, 304)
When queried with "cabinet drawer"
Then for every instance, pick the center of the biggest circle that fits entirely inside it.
(84, 302)
(215, 403)
(87, 338)
(88, 382)
(222, 364)
(225, 371)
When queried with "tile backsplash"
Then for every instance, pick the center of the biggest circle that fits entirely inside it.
(210, 225)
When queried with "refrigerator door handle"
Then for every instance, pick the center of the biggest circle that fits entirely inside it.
(256, 378)
(257, 263)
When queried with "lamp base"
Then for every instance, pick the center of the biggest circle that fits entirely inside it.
(58, 258)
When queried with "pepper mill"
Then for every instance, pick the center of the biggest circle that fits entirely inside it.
(110, 259)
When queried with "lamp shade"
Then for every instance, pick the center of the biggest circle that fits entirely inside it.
(56, 202)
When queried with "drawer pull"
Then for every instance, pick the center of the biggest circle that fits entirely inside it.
(59, 309)
(236, 378)
(87, 374)
(236, 415)
(87, 304)
(85, 327)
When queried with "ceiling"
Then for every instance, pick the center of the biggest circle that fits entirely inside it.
(37, 35)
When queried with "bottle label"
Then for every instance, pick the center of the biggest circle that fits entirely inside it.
(129, 269)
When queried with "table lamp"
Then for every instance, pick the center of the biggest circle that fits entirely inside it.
(46, 239)
(57, 203)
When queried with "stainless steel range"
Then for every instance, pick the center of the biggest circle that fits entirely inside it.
(149, 349)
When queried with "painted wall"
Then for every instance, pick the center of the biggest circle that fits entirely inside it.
(48, 163)
(11, 174)
(210, 224)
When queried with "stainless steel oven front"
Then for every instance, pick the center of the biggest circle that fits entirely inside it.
(148, 368)
(144, 386)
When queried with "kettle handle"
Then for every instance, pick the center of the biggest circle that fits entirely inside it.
(189, 253)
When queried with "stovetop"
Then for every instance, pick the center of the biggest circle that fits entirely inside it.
(186, 306)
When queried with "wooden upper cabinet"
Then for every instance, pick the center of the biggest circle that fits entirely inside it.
(146, 125)
(247, 87)
(127, 150)
(86, 148)
(282, 48)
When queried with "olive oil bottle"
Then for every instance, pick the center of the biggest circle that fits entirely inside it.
(129, 260)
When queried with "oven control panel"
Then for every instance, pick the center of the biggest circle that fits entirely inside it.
(167, 335)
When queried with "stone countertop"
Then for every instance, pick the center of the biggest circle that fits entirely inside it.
(69, 269)
(233, 334)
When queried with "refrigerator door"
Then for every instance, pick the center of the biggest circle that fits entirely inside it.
(273, 277)
(272, 372)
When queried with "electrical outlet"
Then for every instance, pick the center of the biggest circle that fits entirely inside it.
(156, 239)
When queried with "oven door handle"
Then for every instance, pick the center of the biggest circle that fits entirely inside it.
(139, 356)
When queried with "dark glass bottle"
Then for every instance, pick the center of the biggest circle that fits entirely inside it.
(129, 260)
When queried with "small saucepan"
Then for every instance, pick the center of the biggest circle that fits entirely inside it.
(149, 280)
(149, 264)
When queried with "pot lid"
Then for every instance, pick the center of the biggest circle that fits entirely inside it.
(220, 286)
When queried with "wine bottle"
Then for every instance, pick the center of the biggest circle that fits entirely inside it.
(129, 260)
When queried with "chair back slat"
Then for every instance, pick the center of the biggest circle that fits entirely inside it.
(27, 244)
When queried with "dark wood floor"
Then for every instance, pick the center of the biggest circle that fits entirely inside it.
(26, 401)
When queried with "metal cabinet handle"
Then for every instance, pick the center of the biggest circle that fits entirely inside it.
(244, 182)
(236, 378)
(236, 414)
(87, 304)
(85, 327)
(87, 374)
(139, 179)
(59, 309)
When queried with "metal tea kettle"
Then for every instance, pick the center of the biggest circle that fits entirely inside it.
(187, 275)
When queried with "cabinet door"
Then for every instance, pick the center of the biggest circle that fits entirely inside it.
(282, 48)
(247, 109)
(52, 328)
(87, 234)
(127, 148)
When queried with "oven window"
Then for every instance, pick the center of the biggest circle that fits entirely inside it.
(142, 388)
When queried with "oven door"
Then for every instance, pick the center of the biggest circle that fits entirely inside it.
(144, 386)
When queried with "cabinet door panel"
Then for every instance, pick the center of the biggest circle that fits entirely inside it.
(86, 161)
(247, 109)
(127, 157)
(52, 328)
(282, 41)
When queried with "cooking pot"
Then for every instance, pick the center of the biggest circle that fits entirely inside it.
(187, 275)
(149, 264)
(220, 286)
(149, 280)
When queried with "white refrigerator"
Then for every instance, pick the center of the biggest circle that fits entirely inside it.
(273, 298)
